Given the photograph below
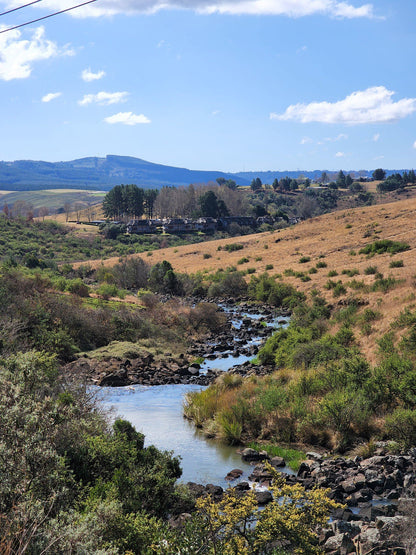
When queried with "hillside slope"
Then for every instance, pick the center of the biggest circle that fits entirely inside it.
(332, 241)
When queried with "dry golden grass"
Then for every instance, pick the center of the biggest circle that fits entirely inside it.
(331, 238)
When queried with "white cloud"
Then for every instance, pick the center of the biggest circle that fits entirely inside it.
(51, 96)
(374, 105)
(104, 98)
(340, 154)
(339, 137)
(127, 118)
(17, 56)
(290, 8)
(376, 137)
(306, 140)
(88, 75)
(414, 144)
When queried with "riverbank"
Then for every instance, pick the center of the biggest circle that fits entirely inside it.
(247, 327)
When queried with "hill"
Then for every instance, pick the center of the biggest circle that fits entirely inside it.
(304, 255)
(100, 173)
(103, 173)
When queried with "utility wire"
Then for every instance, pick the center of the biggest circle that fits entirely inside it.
(20, 7)
(46, 16)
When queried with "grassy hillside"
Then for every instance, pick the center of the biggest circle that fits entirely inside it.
(332, 243)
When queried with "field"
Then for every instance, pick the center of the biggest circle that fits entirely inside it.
(53, 199)
(305, 254)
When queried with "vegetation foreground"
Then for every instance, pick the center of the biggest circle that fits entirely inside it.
(341, 376)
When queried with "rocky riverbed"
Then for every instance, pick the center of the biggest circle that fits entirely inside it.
(371, 489)
(246, 328)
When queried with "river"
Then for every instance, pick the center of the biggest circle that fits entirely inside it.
(157, 412)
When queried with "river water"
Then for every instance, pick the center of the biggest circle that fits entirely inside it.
(157, 412)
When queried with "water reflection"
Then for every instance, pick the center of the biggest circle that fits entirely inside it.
(157, 412)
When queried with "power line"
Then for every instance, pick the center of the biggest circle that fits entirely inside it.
(20, 7)
(47, 16)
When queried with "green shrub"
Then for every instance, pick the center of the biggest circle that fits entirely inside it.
(243, 260)
(332, 273)
(207, 255)
(321, 264)
(304, 259)
(312, 270)
(370, 270)
(265, 289)
(78, 287)
(384, 245)
(401, 427)
(396, 264)
(231, 247)
(351, 273)
(385, 284)
(107, 290)
(339, 290)
(269, 267)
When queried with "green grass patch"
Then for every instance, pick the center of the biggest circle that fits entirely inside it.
(293, 457)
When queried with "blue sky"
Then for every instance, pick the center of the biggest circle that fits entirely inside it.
(233, 85)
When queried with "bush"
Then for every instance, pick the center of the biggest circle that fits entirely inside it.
(339, 290)
(304, 259)
(229, 283)
(232, 247)
(370, 270)
(265, 289)
(78, 287)
(384, 245)
(396, 264)
(321, 264)
(351, 273)
(107, 290)
(401, 427)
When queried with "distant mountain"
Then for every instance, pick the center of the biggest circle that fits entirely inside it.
(101, 174)
(104, 173)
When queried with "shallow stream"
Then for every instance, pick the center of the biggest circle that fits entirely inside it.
(157, 412)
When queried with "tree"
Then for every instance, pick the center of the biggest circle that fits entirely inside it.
(348, 180)
(208, 203)
(163, 279)
(67, 210)
(79, 208)
(134, 199)
(340, 179)
(324, 178)
(256, 184)
(150, 196)
(43, 211)
(379, 174)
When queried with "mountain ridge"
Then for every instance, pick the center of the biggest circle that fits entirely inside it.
(103, 173)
